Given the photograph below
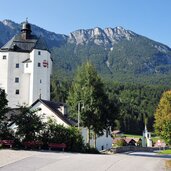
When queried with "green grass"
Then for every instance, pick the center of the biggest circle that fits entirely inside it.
(132, 136)
(165, 151)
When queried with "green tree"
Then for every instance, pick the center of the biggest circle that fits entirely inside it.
(59, 89)
(29, 124)
(88, 89)
(5, 132)
(55, 133)
(136, 105)
(3, 106)
(163, 117)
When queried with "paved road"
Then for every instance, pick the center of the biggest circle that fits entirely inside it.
(49, 161)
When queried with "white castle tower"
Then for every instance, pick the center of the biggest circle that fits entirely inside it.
(25, 68)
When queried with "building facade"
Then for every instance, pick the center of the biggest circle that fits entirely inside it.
(54, 111)
(25, 68)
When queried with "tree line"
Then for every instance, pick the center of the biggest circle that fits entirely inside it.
(125, 106)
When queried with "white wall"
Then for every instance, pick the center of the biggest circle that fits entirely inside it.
(40, 76)
(3, 70)
(47, 113)
(102, 142)
(33, 80)
(8, 74)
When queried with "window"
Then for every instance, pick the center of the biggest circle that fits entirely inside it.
(40, 81)
(39, 52)
(4, 57)
(16, 79)
(17, 92)
(39, 64)
(17, 65)
(26, 65)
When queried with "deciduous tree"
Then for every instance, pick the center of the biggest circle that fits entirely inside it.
(163, 117)
(28, 123)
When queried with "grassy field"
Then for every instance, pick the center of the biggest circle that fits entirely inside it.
(132, 136)
(165, 151)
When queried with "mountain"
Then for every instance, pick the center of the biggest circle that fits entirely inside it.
(118, 54)
(1, 44)
(9, 28)
(107, 37)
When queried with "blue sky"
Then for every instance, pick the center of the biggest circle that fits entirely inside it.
(150, 18)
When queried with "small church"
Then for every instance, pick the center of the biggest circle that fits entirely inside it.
(25, 68)
(146, 138)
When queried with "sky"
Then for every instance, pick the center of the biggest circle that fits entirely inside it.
(150, 18)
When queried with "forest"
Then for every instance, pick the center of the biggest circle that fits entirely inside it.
(131, 105)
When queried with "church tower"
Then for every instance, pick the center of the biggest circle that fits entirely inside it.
(25, 68)
(146, 139)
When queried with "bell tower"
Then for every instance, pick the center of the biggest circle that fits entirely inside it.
(26, 30)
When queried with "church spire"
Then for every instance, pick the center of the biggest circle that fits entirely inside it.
(26, 29)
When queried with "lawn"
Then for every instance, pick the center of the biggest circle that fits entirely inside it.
(132, 136)
(165, 151)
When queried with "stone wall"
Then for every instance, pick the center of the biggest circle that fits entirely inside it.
(132, 148)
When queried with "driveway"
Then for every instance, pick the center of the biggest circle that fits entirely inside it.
(11, 160)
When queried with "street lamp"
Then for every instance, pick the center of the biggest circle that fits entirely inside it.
(79, 111)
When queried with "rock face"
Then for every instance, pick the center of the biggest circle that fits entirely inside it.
(107, 37)
(7, 30)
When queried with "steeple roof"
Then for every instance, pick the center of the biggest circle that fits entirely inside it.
(25, 41)
(26, 27)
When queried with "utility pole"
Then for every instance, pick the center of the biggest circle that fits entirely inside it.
(79, 104)
(79, 111)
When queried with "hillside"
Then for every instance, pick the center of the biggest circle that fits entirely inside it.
(118, 54)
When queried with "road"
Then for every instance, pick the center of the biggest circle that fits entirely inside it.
(53, 161)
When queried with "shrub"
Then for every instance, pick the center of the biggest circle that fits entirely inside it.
(121, 142)
(54, 133)
(90, 150)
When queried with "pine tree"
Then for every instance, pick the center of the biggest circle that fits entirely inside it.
(88, 90)
(4, 131)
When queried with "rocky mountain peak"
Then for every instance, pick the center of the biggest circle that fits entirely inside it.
(97, 31)
(108, 36)
(9, 24)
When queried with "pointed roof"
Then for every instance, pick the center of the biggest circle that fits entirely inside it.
(18, 44)
(145, 129)
(54, 107)
(25, 41)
